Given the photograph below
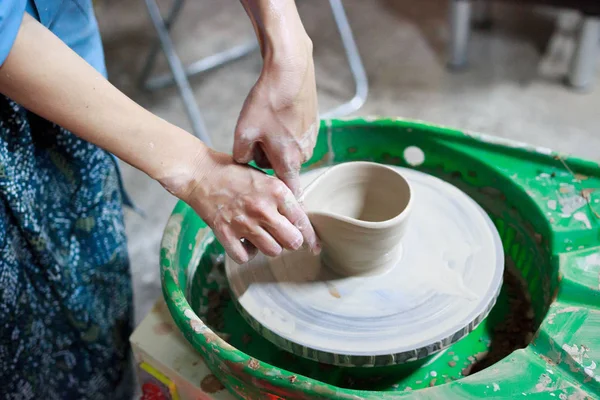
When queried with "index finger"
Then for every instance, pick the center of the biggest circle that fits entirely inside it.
(292, 210)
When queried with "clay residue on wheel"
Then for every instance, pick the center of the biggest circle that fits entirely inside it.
(333, 291)
(211, 384)
(216, 302)
(514, 332)
(253, 364)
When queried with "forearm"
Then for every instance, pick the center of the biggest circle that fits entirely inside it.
(279, 29)
(47, 77)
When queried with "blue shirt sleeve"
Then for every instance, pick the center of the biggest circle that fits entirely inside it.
(11, 16)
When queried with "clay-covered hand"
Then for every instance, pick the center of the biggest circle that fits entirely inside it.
(240, 202)
(278, 124)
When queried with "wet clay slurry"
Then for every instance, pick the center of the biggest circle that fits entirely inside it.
(444, 282)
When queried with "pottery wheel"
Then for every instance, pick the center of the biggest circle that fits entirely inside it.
(447, 279)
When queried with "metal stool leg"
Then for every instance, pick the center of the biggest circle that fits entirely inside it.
(583, 65)
(187, 95)
(460, 27)
(205, 64)
(180, 73)
(354, 61)
(169, 21)
(198, 67)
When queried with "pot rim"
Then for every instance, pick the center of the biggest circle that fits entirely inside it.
(375, 225)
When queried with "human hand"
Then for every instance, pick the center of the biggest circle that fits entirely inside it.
(240, 202)
(278, 124)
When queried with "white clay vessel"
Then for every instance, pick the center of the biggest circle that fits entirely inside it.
(360, 212)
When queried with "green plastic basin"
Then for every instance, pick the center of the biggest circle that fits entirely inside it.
(541, 339)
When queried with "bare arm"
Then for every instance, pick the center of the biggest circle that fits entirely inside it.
(279, 122)
(48, 78)
(237, 202)
(277, 26)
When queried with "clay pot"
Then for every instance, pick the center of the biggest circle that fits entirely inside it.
(359, 211)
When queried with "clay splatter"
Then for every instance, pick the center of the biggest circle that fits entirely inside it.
(544, 384)
(253, 364)
(333, 290)
(583, 218)
(566, 310)
(163, 328)
(211, 384)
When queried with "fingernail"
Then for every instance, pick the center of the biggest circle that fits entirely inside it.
(317, 249)
(274, 251)
(302, 223)
(295, 245)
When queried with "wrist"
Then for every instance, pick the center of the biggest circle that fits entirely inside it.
(280, 32)
(292, 53)
(286, 42)
(186, 168)
(284, 74)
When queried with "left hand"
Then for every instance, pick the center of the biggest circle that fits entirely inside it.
(278, 124)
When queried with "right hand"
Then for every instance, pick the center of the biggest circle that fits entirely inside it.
(240, 202)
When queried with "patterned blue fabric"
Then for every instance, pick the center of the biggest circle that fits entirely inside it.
(65, 288)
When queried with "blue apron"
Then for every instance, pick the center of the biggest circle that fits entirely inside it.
(66, 303)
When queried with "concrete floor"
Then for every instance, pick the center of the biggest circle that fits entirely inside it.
(512, 89)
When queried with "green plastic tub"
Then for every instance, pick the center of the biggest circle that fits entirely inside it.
(541, 339)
